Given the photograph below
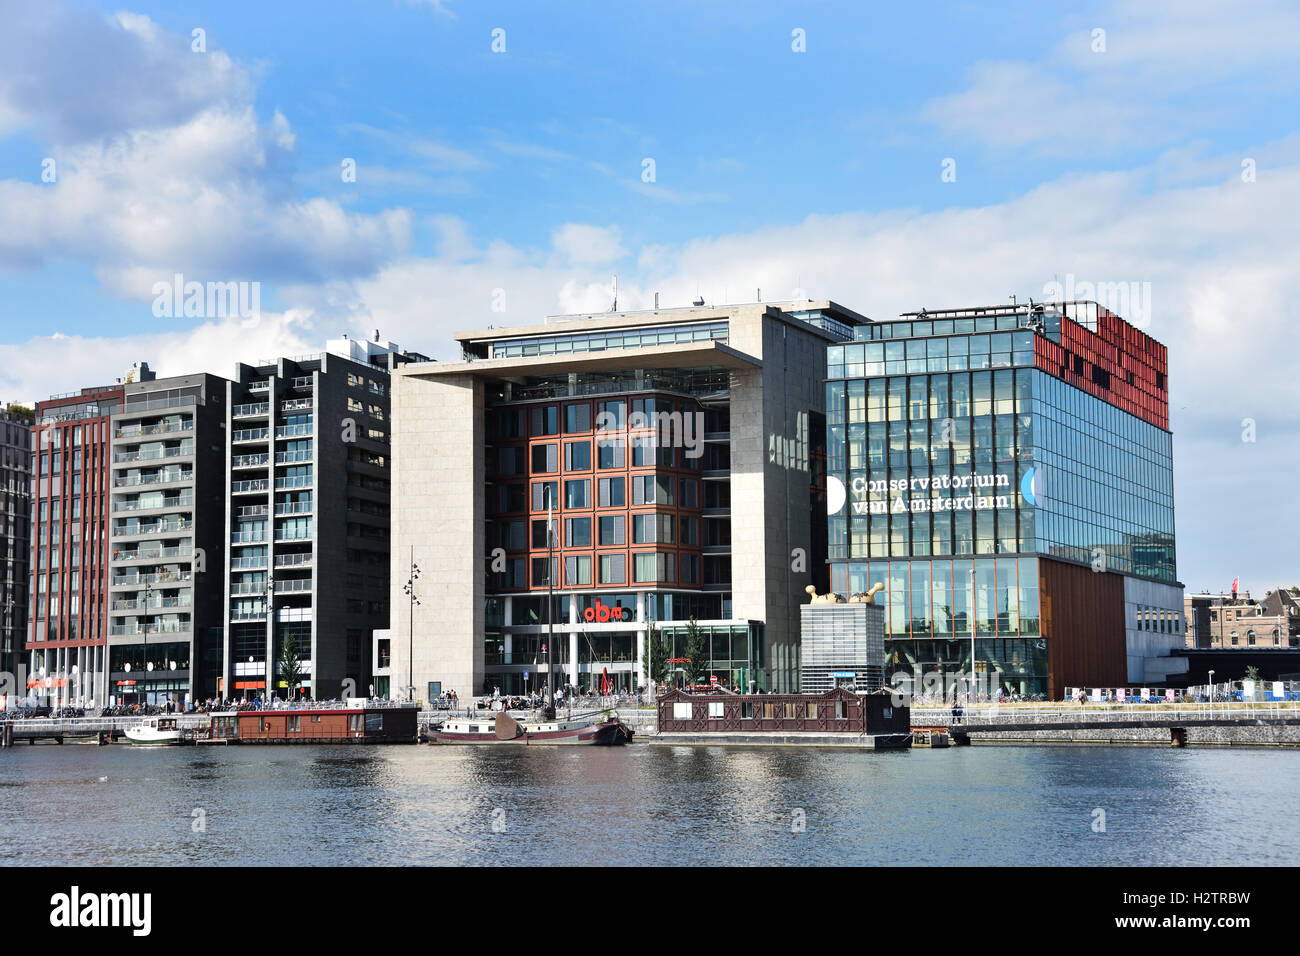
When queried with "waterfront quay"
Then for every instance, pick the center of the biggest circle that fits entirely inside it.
(1275, 724)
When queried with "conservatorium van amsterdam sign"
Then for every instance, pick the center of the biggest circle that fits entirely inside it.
(918, 495)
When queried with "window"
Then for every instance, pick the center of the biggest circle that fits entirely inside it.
(539, 533)
(545, 420)
(612, 529)
(577, 418)
(545, 459)
(769, 710)
(790, 709)
(577, 455)
(577, 532)
(613, 569)
(610, 453)
(577, 493)
(545, 493)
(612, 492)
(715, 709)
(577, 569)
(812, 711)
(682, 711)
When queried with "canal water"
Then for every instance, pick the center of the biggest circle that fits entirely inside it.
(638, 805)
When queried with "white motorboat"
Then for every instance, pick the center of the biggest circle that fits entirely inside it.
(154, 732)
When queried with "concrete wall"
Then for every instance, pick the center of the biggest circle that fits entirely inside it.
(771, 510)
(1147, 652)
(438, 426)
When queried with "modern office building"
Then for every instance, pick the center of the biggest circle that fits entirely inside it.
(675, 453)
(15, 539)
(307, 518)
(166, 537)
(67, 635)
(1007, 474)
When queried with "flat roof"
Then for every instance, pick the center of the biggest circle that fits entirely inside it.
(690, 355)
(587, 321)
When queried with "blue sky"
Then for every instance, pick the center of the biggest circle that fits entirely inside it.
(1115, 157)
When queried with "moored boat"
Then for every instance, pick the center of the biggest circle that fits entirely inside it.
(502, 728)
(154, 732)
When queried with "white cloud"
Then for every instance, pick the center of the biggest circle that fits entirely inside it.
(582, 245)
(1167, 70)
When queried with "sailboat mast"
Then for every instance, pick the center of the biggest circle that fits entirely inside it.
(550, 604)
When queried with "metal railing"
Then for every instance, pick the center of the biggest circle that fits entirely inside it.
(250, 409)
(180, 501)
(162, 478)
(249, 434)
(157, 527)
(245, 487)
(185, 448)
(162, 428)
(1058, 712)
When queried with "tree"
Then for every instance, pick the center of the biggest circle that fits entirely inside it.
(290, 666)
(697, 649)
(1252, 673)
(659, 654)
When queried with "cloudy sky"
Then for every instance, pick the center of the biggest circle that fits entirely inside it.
(408, 164)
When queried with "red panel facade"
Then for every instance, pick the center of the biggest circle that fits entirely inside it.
(70, 530)
(1118, 363)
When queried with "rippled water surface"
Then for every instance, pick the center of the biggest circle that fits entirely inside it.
(78, 804)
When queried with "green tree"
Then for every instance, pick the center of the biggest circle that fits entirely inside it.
(290, 666)
(697, 650)
(1252, 673)
(660, 651)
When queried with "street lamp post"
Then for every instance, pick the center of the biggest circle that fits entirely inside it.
(409, 588)
(973, 618)
(270, 636)
(143, 695)
(1211, 692)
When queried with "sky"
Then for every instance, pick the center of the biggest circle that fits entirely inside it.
(427, 166)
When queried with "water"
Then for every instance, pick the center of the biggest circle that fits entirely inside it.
(641, 805)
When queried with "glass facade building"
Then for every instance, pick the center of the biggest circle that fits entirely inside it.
(965, 450)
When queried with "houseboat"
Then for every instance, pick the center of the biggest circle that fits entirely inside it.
(502, 728)
(839, 717)
(355, 721)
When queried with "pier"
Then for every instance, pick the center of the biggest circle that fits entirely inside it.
(1264, 724)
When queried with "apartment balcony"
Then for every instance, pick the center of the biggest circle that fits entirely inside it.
(164, 604)
(166, 578)
(284, 509)
(296, 560)
(252, 487)
(153, 554)
(156, 527)
(162, 428)
(249, 435)
(248, 537)
(301, 382)
(177, 501)
(251, 410)
(294, 481)
(247, 615)
(259, 386)
(292, 457)
(293, 535)
(250, 461)
(136, 630)
(253, 563)
(295, 431)
(293, 586)
(296, 405)
(162, 478)
(244, 589)
(181, 451)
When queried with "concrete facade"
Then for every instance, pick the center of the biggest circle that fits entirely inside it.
(772, 360)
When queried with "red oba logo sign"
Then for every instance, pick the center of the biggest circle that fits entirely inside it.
(601, 613)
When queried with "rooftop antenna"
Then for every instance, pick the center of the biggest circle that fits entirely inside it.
(614, 307)
(656, 301)
(759, 296)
